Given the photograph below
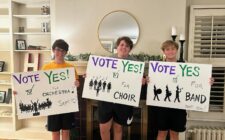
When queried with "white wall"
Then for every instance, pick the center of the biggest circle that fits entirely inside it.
(77, 22)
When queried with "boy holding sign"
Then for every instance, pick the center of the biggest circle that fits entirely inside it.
(170, 120)
(65, 121)
(113, 115)
(177, 121)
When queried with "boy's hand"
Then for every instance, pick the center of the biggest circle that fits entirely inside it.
(211, 81)
(145, 80)
(14, 93)
(77, 83)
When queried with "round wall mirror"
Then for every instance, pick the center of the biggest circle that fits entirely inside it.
(115, 25)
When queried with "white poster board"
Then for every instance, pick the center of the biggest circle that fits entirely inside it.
(45, 92)
(113, 80)
(179, 85)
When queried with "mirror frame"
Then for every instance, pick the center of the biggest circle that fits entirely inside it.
(131, 15)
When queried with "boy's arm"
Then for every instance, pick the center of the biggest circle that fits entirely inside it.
(77, 82)
(76, 74)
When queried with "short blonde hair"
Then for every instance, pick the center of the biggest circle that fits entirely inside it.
(169, 43)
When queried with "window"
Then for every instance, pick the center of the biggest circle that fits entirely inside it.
(217, 90)
(209, 36)
(207, 45)
(207, 33)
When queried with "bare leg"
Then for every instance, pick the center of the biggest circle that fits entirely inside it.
(118, 131)
(162, 135)
(56, 135)
(65, 134)
(105, 130)
(174, 135)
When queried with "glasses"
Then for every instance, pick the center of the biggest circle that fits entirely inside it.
(59, 50)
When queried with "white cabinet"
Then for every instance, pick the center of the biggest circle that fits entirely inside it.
(22, 21)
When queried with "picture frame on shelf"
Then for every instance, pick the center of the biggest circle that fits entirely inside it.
(21, 44)
(45, 10)
(2, 63)
(2, 96)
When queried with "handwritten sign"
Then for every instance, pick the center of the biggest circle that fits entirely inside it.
(43, 93)
(179, 85)
(113, 80)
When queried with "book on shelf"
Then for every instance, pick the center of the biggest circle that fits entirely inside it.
(32, 47)
(2, 63)
(8, 98)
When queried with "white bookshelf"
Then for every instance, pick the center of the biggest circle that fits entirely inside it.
(6, 120)
(31, 33)
(31, 16)
(6, 84)
(4, 33)
(26, 14)
(4, 50)
(5, 105)
(5, 73)
(32, 51)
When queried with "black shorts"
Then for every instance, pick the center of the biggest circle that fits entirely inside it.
(121, 114)
(171, 119)
(61, 121)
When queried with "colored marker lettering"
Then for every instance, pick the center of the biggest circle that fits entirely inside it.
(56, 77)
(156, 67)
(195, 97)
(26, 79)
(189, 70)
(105, 62)
(129, 67)
(115, 74)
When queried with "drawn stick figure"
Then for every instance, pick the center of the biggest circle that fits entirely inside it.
(109, 87)
(35, 105)
(91, 83)
(95, 84)
(99, 87)
(103, 86)
(168, 94)
(178, 91)
(156, 93)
